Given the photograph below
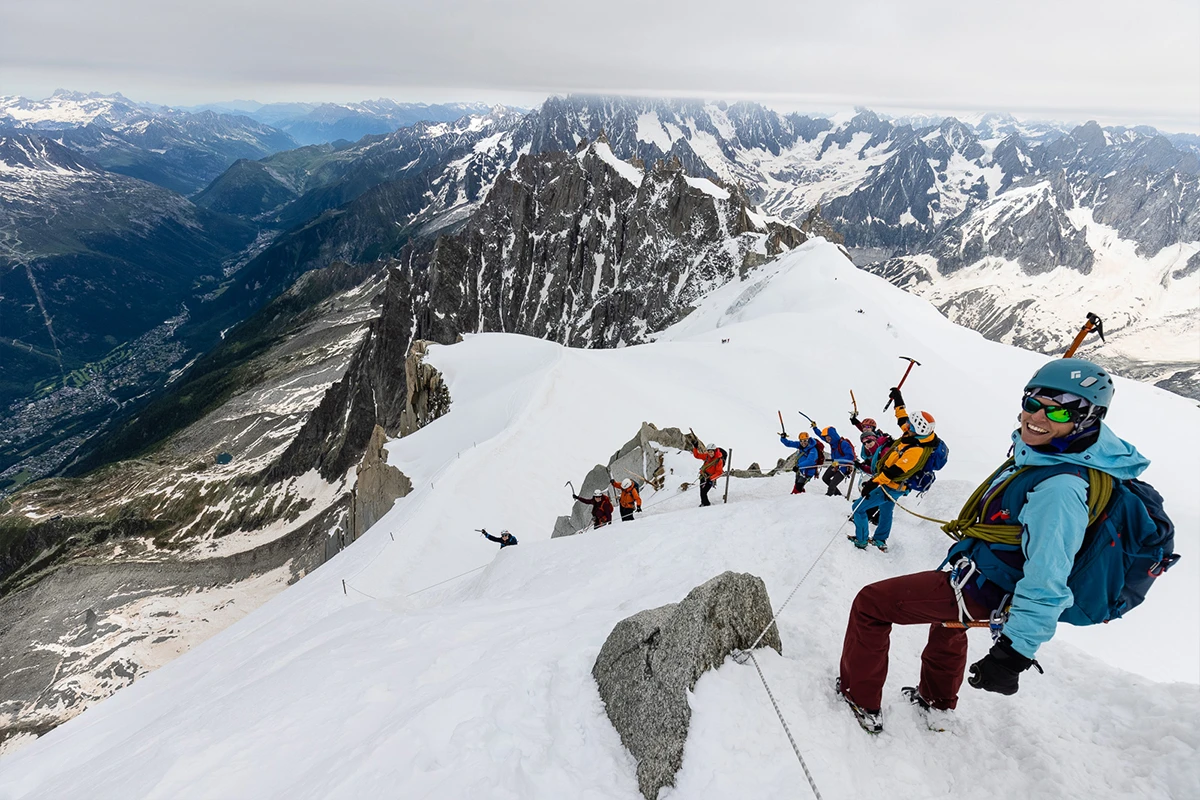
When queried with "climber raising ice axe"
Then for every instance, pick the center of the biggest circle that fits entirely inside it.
(911, 363)
(1093, 323)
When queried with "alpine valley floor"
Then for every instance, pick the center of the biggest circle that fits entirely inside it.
(450, 670)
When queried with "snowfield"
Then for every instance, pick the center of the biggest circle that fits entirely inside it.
(448, 669)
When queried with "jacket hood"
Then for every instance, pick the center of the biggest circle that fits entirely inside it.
(1110, 454)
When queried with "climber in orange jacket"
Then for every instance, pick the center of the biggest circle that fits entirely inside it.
(629, 500)
(713, 467)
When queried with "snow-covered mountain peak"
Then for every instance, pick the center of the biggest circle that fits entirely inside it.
(28, 152)
(448, 669)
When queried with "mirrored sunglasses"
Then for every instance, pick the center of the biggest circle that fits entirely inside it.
(1053, 413)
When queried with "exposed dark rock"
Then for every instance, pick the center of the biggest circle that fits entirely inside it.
(652, 660)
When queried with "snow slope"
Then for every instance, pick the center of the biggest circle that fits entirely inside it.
(451, 670)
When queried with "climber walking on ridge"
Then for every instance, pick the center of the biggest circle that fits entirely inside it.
(629, 500)
(505, 538)
(918, 449)
(712, 468)
(808, 455)
(602, 507)
(841, 458)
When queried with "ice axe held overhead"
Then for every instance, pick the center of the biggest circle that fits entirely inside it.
(782, 427)
(854, 402)
(1093, 323)
(568, 483)
(811, 421)
(911, 363)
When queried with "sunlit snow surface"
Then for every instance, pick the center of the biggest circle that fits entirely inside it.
(481, 686)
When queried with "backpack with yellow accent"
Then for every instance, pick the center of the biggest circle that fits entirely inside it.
(1128, 543)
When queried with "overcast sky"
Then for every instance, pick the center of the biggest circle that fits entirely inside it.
(1112, 60)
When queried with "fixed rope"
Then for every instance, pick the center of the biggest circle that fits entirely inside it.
(786, 729)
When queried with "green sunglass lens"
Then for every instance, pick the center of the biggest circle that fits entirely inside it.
(1058, 414)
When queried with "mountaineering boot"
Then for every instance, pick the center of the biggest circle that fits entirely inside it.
(871, 721)
(935, 719)
(857, 543)
(882, 545)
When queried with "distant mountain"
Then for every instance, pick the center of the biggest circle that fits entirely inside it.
(174, 149)
(319, 123)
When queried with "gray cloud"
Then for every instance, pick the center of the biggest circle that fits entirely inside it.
(1076, 58)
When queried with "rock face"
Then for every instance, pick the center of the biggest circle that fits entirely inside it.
(652, 660)
(637, 459)
(378, 487)
(426, 395)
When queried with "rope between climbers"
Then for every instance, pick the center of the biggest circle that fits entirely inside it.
(786, 729)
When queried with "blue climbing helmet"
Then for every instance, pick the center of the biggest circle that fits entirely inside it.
(1076, 376)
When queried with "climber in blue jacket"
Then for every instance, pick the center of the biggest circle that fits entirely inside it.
(808, 456)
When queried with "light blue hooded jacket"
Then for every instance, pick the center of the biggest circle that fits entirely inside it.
(1053, 521)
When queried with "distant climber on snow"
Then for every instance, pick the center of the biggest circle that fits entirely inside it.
(602, 507)
(841, 457)
(505, 538)
(911, 459)
(1035, 549)
(629, 499)
(807, 457)
(712, 468)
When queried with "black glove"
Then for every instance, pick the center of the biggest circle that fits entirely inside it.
(897, 398)
(999, 670)
(483, 531)
(854, 420)
(638, 510)
(868, 487)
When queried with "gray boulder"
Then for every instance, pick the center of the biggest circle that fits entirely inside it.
(652, 660)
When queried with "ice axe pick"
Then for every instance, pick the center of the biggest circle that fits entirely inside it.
(911, 363)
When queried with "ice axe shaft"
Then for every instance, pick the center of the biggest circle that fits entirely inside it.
(568, 483)
(807, 417)
(1093, 323)
(912, 362)
(854, 402)
(782, 427)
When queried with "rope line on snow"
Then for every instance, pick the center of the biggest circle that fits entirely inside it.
(439, 583)
(795, 748)
(739, 655)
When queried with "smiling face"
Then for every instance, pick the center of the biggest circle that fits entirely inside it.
(1037, 430)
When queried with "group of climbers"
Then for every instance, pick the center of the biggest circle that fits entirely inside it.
(1036, 546)
(1021, 536)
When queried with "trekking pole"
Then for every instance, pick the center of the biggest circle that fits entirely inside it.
(911, 363)
(1093, 323)
(728, 458)
(782, 427)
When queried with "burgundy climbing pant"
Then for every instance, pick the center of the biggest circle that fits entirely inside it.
(923, 597)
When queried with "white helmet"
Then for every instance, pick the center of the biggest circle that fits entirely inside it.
(627, 483)
(922, 424)
(597, 493)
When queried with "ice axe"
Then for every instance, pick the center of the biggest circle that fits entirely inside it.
(911, 362)
(854, 402)
(1093, 323)
(568, 483)
(782, 427)
(812, 421)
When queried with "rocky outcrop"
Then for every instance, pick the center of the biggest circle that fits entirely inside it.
(652, 660)
(378, 487)
(641, 458)
(426, 395)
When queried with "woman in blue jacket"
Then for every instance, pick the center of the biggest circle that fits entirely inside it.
(807, 456)
(1060, 425)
